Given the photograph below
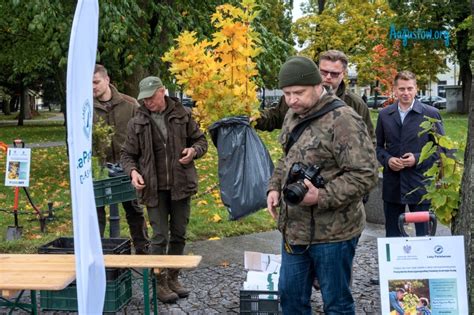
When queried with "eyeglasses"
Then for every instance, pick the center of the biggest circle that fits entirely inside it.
(325, 73)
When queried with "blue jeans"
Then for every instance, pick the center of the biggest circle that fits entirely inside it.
(331, 263)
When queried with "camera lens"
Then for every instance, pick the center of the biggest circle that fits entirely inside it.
(294, 193)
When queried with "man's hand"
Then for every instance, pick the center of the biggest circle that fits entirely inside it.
(396, 164)
(408, 159)
(273, 199)
(312, 196)
(187, 155)
(137, 180)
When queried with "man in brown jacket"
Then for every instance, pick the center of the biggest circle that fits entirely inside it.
(116, 109)
(163, 140)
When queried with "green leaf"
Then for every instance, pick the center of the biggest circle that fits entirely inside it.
(427, 150)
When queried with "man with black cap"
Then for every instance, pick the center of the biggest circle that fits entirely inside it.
(328, 165)
(163, 140)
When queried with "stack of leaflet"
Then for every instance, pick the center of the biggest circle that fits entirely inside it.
(263, 271)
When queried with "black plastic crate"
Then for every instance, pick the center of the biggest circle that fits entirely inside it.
(65, 245)
(113, 190)
(259, 302)
(111, 246)
(117, 294)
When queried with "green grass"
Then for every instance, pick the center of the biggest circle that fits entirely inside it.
(49, 182)
(53, 131)
(41, 115)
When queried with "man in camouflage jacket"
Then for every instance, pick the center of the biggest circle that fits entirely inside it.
(333, 66)
(320, 233)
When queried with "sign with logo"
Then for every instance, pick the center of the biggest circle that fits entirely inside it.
(422, 274)
(18, 167)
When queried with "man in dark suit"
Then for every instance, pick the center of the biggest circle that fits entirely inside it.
(398, 150)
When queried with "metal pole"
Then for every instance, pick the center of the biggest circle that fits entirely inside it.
(114, 221)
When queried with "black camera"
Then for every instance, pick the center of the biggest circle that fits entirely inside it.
(295, 189)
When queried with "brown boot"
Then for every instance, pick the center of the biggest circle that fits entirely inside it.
(175, 285)
(163, 292)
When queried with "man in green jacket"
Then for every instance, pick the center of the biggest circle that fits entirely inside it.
(163, 140)
(333, 67)
(320, 232)
(116, 109)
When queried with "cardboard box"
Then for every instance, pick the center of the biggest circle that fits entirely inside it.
(262, 262)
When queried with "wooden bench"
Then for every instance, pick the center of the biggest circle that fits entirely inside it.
(20, 272)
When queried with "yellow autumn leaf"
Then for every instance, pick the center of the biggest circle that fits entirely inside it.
(216, 218)
(215, 238)
(202, 203)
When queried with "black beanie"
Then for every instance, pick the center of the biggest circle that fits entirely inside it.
(299, 70)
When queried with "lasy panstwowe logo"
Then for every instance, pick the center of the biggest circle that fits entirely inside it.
(87, 119)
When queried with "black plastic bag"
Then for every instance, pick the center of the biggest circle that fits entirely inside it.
(244, 166)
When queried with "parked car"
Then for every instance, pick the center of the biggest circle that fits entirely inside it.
(440, 104)
(380, 100)
(188, 102)
(436, 101)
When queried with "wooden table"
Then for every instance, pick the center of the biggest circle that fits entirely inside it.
(19, 272)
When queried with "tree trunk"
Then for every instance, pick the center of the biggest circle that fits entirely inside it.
(7, 106)
(132, 81)
(463, 223)
(27, 104)
(465, 73)
(21, 115)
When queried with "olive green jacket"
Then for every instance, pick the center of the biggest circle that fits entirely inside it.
(123, 109)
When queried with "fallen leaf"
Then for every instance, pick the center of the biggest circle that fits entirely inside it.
(216, 218)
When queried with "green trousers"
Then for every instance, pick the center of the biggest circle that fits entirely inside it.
(169, 222)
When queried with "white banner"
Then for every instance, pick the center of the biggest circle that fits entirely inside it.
(422, 275)
(90, 270)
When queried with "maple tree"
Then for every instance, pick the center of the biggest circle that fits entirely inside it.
(352, 26)
(219, 73)
(380, 65)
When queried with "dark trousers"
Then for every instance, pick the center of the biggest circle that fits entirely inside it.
(136, 223)
(392, 213)
(169, 222)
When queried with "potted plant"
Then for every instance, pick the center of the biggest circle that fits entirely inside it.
(219, 74)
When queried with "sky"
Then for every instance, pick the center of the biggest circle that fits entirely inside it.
(296, 9)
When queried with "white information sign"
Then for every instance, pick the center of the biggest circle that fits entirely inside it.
(18, 167)
(422, 275)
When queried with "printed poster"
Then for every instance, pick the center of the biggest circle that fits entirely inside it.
(18, 167)
(422, 275)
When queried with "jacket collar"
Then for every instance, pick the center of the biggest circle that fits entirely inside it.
(173, 108)
(392, 110)
(116, 98)
(417, 107)
(341, 90)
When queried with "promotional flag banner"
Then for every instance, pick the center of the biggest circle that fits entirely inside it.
(90, 270)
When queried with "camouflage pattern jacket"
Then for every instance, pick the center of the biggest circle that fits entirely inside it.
(339, 143)
(272, 118)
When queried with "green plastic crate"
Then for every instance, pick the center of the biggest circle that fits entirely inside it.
(117, 294)
(260, 302)
(113, 190)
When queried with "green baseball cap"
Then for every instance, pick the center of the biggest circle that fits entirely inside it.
(148, 87)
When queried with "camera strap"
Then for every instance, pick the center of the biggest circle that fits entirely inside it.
(301, 126)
